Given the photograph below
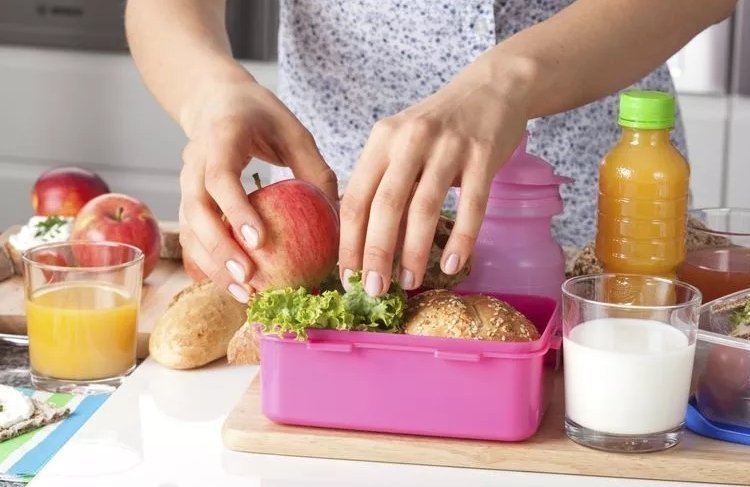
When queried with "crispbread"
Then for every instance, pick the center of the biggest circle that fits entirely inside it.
(43, 415)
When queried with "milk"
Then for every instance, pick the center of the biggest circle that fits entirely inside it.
(627, 376)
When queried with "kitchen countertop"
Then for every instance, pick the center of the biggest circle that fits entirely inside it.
(162, 428)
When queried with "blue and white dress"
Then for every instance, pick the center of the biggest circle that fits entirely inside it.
(345, 65)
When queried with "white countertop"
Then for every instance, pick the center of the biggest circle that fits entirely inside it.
(162, 428)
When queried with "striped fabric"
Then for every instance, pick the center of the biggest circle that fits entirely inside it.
(23, 456)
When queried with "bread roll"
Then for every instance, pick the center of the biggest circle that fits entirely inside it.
(441, 313)
(244, 347)
(197, 327)
(500, 321)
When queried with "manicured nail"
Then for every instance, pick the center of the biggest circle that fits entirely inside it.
(450, 266)
(345, 278)
(407, 279)
(373, 284)
(239, 293)
(250, 235)
(236, 270)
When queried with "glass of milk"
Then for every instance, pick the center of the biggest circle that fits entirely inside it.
(628, 344)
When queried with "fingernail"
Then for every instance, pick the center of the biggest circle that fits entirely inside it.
(345, 278)
(250, 235)
(407, 279)
(239, 293)
(373, 284)
(237, 271)
(451, 264)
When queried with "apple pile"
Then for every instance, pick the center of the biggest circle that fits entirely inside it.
(99, 214)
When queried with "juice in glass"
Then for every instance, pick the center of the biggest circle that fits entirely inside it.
(82, 303)
(82, 331)
(643, 191)
(718, 260)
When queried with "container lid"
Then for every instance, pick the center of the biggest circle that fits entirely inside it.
(525, 168)
(697, 423)
(649, 110)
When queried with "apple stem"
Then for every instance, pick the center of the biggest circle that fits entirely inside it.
(256, 180)
(120, 212)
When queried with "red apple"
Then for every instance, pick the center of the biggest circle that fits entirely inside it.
(63, 191)
(302, 235)
(119, 218)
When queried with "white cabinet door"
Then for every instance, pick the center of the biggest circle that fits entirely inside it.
(738, 174)
(90, 110)
(705, 119)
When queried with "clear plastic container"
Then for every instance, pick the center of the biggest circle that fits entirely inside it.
(721, 374)
(419, 385)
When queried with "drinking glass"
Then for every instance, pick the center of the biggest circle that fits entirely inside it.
(628, 345)
(718, 258)
(82, 304)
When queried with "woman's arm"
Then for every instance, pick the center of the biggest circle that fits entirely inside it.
(182, 50)
(465, 132)
(594, 47)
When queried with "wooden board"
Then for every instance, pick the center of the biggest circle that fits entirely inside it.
(167, 280)
(696, 459)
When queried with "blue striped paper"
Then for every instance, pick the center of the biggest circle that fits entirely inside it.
(21, 458)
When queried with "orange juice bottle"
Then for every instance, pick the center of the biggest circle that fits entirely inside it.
(643, 191)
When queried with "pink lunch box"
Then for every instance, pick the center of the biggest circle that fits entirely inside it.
(417, 385)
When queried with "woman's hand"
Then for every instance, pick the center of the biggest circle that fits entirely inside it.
(234, 122)
(460, 136)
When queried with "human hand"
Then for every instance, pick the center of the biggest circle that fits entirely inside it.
(234, 122)
(460, 136)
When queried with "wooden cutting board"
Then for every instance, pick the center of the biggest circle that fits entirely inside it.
(158, 289)
(696, 459)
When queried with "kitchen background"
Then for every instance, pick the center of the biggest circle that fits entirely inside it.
(70, 94)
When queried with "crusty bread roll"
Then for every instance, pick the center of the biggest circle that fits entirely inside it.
(441, 313)
(500, 321)
(244, 347)
(197, 327)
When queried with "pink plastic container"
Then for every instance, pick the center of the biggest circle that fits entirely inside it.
(515, 252)
(412, 384)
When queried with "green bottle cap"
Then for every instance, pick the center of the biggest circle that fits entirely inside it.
(650, 110)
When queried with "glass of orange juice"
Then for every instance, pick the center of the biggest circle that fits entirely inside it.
(82, 303)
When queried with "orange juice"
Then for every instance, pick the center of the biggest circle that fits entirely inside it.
(643, 191)
(81, 331)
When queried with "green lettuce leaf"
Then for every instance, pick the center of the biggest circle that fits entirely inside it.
(382, 314)
(282, 311)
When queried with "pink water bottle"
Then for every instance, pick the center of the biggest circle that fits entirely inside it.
(515, 252)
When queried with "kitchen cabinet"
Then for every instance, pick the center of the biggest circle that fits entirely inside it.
(92, 110)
